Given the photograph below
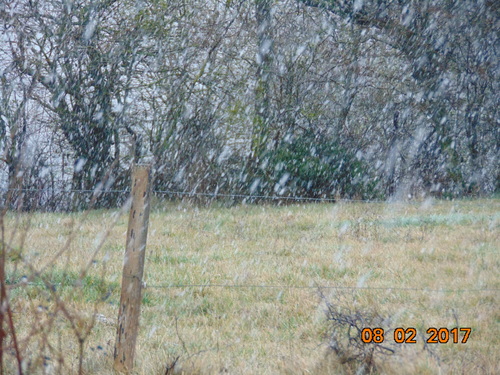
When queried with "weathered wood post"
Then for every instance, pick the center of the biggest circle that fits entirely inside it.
(133, 267)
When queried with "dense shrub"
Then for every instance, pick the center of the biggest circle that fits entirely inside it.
(312, 165)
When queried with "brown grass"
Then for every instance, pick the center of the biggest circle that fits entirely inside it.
(251, 330)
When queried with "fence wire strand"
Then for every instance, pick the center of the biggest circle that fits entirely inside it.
(257, 286)
(264, 286)
(246, 197)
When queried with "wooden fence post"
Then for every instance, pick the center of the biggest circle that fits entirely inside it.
(133, 267)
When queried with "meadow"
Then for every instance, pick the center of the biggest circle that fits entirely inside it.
(261, 289)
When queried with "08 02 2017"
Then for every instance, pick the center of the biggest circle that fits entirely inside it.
(408, 335)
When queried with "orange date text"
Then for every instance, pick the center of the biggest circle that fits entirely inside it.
(408, 335)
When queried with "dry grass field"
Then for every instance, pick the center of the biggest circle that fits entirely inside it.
(240, 290)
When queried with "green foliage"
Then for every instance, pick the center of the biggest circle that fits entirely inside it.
(316, 166)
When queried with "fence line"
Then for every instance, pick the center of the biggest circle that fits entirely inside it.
(214, 195)
(200, 194)
(264, 286)
(160, 286)
(254, 286)
(96, 191)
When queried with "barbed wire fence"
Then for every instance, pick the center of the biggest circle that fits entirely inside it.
(283, 287)
(244, 198)
(248, 198)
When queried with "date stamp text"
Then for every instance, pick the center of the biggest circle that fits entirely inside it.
(409, 335)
